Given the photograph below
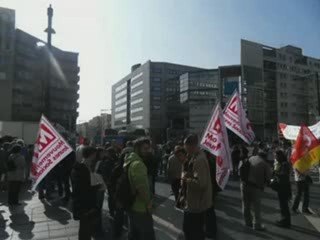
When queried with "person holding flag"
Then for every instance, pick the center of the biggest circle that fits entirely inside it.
(305, 155)
(196, 177)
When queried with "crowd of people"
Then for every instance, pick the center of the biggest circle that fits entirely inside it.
(128, 177)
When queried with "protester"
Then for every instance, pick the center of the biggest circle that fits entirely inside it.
(3, 163)
(106, 167)
(140, 214)
(16, 174)
(67, 165)
(80, 148)
(303, 181)
(282, 176)
(118, 220)
(100, 157)
(198, 189)
(175, 162)
(211, 219)
(164, 162)
(259, 175)
(85, 186)
(235, 156)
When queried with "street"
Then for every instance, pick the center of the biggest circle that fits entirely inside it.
(53, 220)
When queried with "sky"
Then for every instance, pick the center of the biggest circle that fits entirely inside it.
(113, 35)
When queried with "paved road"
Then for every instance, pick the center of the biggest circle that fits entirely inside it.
(53, 220)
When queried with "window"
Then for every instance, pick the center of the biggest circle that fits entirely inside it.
(156, 79)
(135, 110)
(136, 77)
(121, 108)
(120, 94)
(120, 101)
(136, 84)
(156, 84)
(120, 115)
(122, 86)
(156, 89)
(157, 70)
(155, 98)
(137, 118)
(136, 101)
(155, 107)
(136, 93)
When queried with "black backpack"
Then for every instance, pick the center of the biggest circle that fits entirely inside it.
(244, 170)
(124, 197)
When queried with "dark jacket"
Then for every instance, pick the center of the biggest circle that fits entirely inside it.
(83, 195)
(282, 173)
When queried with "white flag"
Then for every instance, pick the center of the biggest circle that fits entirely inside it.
(236, 119)
(290, 132)
(215, 140)
(50, 148)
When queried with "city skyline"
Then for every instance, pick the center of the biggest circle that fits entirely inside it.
(111, 35)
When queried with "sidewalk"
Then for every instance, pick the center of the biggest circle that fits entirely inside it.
(53, 220)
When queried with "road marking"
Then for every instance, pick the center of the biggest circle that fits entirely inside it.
(314, 221)
(166, 224)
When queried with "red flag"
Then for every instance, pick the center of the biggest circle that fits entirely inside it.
(50, 148)
(236, 119)
(215, 140)
(306, 151)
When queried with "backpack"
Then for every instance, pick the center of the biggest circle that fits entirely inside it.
(124, 197)
(244, 171)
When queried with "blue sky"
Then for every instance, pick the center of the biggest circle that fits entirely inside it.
(112, 35)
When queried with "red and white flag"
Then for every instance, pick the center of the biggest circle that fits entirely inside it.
(50, 148)
(215, 140)
(236, 119)
(291, 132)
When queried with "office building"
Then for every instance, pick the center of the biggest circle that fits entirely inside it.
(138, 100)
(7, 32)
(281, 84)
(26, 73)
(199, 92)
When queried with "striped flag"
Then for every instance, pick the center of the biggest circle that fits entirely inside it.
(306, 151)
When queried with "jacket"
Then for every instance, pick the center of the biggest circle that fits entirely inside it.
(260, 172)
(174, 168)
(18, 173)
(282, 173)
(138, 178)
(83, 194)
(199, 188)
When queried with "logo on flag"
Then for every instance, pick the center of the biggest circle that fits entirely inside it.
(215, 140)
(306, 151)
(50, 148)
(236, 120)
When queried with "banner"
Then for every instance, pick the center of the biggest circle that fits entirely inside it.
(290, 132)
(215, 140)
(50, 148)
(306, 151)
(236, 119)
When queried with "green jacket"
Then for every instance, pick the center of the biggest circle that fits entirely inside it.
(138, 178)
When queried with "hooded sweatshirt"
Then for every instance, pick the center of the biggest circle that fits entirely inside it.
(138, 178)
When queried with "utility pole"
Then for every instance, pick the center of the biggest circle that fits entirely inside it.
(49, 30)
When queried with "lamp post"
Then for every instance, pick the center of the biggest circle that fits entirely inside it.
(49, 30)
